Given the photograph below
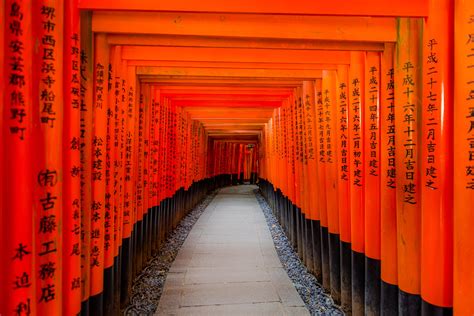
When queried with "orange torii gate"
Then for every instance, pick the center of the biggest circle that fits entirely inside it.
(119, 116)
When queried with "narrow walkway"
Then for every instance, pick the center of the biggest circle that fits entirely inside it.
(228, 264)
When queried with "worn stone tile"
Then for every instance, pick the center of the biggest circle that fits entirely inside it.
(272, 261)
(288, 295)
(225, 275)
(230, 293)
(214, 260)
(228, 265)
(261, 309)
(296, 311)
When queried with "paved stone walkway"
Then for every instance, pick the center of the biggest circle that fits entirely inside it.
(228, 264)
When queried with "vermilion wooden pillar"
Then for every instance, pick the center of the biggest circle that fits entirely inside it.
(71, 254)
(357, 156)
(128, 119)
(18, 281)
(436, 176)
(116, 152)
(130, 162)
(408, 87)
(123, 232)
(139, 175)
(463, 158)
(309, 115)
(289, 118)
(306, 219)
(109, 206)
(47, 23)
(2, 88)
(99, 142)
(287, 184)
(148, 212)
(86, 153)
(312, 169)
(302, 156)
(299, 184)
(388, 225)
(344, 177)
(322, 168)
(372, 182)
(330, 106)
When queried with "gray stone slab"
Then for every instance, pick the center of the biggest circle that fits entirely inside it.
(260, 309)
(296, 311)
(215, 260)
(229, 249)
(225, 275)
(229, 293)
(228, 264)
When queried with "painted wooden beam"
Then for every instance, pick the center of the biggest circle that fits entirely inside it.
(286, 83)
(234, 55)
(231, 65)
(309, 7)
(335, 28)
(229, 72)
(241, 42)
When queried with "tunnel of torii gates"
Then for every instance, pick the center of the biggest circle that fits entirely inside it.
(355, 118)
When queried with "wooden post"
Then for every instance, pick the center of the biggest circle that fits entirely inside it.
(407, 143)
(330, 106)
(372, 182)
(463, 158)
(388, 225)
(357, 156)
(18, 277)
(344, 184)
(71, 163)
(436, 176)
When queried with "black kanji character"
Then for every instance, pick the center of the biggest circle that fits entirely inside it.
(47, 248)
(20, 252)
(47, 270)
(47, 178)
(47, 293)
(23, 308)
(22, 281)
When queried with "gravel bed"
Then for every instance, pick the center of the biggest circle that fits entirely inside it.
(148, 285)
(312, 293)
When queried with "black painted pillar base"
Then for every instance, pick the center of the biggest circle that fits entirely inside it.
(298, 232)
(372, 286)
(316, 243)
(389, 299)
(117, 281)
(125, 272)
(303, 237)
(346, 281)
(428, 309)
(96, 304)
(335, 267)
(85, 308)
(294, 222)
(109, 291)
(325, 259)
(408, 304)
(358, 283)
(309, 246)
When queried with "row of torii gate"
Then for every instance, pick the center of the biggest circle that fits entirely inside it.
(119, 116)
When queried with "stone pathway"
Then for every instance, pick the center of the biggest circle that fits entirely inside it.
(228, 264)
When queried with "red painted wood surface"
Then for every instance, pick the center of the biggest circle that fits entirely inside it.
(388, 216)
(437, 162)
(408, 89)
(358, 113)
